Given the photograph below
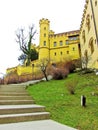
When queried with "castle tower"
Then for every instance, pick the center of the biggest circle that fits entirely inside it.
(44, 38)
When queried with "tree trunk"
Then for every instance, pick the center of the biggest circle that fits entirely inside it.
(45, 75)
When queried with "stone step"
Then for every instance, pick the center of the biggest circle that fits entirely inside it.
(12, 118)
(15, 91)
(17, 106)
(15, 97)
(14, 94)
(12, 91)
(12, 85)
(12, 88)
(16, 109)
(16, 102)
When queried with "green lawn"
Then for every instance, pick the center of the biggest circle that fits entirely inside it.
(66, 108)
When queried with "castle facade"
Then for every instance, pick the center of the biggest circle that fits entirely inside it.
(58, 47)
(89, 33)
(73, 44)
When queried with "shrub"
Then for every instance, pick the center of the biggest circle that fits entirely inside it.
(1, 81)
(71, 86)
(70, 66)
(11, 78)
(59, 73)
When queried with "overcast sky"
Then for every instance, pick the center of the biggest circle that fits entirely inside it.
(64, 15)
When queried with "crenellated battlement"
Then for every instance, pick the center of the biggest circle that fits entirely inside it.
(44, 21)
(70, 33)
(84, 13)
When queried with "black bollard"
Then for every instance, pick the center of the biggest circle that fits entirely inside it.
(83, 101)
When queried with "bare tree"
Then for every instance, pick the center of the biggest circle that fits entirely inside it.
(43, 64)
(26, 41)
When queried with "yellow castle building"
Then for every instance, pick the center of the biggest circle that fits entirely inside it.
(57, 47)
(89, 33)
(54, 47)
(72, 44)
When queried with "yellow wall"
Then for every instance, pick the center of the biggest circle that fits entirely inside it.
(85, 46)
(13, 69)
(32, 69)
(24, 70)
(59, 52)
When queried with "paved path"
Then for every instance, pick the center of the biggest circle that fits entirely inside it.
(36, 125)
(29, 82)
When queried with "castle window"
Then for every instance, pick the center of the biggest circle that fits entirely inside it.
(55, 44)
(85, 59)
(73, 38)
(83, 36)
(44, 28)
(86, 56)
(67, 42)
(55, 53)
(91, 16)
(67, 52)
(73, 48)
(95, 2)
(44, 43)
(95, 41)
(61, 43)
(44, 34)
(86, 53)
(88, 22)
(61, 52)
(91, 45)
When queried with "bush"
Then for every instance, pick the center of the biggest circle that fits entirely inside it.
(1, 81)
(11, 78)
(59, 73)
(71, 86)
(70, 66)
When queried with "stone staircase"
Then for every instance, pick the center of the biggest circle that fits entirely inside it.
(17, 106)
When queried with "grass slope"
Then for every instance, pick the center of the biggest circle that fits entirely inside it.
(66, 108)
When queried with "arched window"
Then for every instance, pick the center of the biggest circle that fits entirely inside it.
(85, 59)
(88, 22)
(44, 34)
(91, 45)
(83, 36)
(61, 43)
(67, 52)
(44, 43)
(55, 44)
(44, 28)
(86, 53)
(55, 53)
(61, 52)
(95, 2)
